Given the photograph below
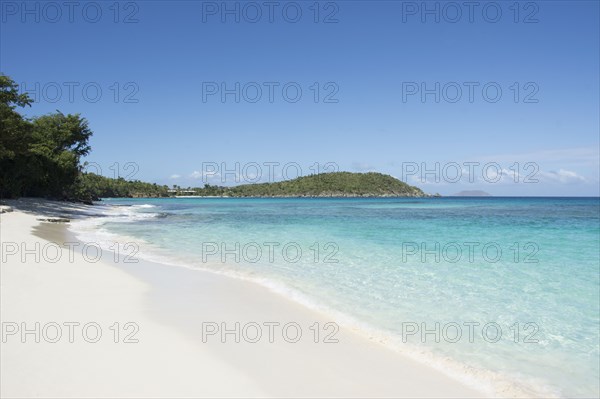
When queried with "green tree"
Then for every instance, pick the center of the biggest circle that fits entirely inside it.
(15, 137)
(59, 141)
(38, 157)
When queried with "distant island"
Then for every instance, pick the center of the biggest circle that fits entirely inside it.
(336, 184)
(472, 193)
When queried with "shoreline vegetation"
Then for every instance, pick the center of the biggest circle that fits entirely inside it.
(334, 184)
(41, 157)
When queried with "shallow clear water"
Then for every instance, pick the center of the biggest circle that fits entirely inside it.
(518, 278)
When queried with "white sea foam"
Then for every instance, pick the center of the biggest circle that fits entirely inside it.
(144, 206)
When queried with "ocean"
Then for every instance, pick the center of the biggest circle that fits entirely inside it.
(501, 293)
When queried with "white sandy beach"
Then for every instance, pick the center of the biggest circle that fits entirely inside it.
(170, 305)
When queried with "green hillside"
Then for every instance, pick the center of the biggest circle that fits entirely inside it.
(337, 184)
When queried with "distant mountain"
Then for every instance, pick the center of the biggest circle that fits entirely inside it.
(472, 193)
(336, 184)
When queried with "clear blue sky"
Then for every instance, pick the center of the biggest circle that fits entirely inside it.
(375, 58)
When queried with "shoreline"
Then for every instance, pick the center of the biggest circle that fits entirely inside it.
(170, 295)
(488, 383)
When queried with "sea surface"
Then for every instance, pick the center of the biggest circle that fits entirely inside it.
(502, 293)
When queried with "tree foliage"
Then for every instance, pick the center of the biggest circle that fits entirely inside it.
(91, 186)
(39, 157)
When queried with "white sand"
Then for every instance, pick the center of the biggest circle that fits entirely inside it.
(170, 306)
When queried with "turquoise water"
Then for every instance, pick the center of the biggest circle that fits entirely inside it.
(517, 277)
